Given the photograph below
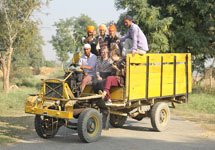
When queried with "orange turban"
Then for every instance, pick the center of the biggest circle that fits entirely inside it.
(112, 27)
(102, 26)
(90, 28)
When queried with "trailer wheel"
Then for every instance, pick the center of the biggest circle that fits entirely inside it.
(89, 125)
(160, 116)
(46, 127)
(117, 121)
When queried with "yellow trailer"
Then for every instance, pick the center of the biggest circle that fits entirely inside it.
(152, 82)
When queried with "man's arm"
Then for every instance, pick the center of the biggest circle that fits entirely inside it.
(82, 66)
(134, 37)
(86, 67)
(125, 37)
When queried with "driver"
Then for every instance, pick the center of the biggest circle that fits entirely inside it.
(88, 63)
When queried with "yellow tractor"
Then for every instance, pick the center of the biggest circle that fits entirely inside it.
(152, 82)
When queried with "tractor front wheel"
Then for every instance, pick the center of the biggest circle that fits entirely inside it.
(46, 127)
(89, 125)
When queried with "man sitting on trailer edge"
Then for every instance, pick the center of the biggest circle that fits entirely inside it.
(88, 63)
(135, 41)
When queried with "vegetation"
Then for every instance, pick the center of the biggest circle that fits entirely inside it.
(16, 28)
(68, 36)
(175, 26)
(14, 123)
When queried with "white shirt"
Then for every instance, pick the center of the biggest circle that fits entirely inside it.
(90, 62)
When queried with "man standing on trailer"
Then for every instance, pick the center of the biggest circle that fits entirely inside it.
(91, 39)
(135, 40)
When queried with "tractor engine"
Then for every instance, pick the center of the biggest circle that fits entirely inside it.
(74, 77)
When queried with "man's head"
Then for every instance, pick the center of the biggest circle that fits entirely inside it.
(112, 31)
(90, 30)
(87, 49)
(102, 29)
(128, 20)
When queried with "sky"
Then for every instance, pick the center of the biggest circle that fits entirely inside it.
(101, 11)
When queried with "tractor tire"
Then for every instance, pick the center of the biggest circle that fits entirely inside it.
(160, 116)
(89, 125)
(117, 121)
(44, 126)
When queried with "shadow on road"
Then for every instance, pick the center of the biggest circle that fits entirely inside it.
(13, 128)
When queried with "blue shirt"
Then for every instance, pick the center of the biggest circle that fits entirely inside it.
(138, 38)
(90, 62)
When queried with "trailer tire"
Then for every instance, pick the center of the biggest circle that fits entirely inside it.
(44, 128)
(160, 116)
(89, 125)
(117, 121)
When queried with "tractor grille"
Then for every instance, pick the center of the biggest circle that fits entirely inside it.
(54, 90)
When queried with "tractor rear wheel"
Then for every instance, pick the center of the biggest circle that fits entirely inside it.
(160, 116)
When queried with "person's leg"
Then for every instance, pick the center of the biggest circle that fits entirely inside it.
(128, 44)
(142, 52)
(85, 81)
(110, 81)
(127, 47)
(95, 85)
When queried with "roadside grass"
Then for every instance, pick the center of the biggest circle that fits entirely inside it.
(200, 109)
(14, 123)
(199, 103)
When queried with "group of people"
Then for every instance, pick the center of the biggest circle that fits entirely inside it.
(103, 60)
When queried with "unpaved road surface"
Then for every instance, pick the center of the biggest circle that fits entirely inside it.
(181, 135)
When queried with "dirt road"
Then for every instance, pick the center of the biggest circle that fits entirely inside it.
(181, 135)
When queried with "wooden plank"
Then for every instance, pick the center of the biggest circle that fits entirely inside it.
(154, 69)
(154, 91)
(137, 69)
(138, 58)
(167, 89)
(168, 80)
(156, 58)
(180, 88)
(116, 93)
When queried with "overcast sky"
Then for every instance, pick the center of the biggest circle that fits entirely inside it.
(101, 11)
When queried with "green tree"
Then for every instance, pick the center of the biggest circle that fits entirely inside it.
(192, 29)
(15, 18)
(28, 52)
(68, 36)
(155, 27)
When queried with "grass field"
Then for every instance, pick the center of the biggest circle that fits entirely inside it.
(14, 123)
(200, 109)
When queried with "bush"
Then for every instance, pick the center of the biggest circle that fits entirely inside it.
(50, 63)
(28, 82)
